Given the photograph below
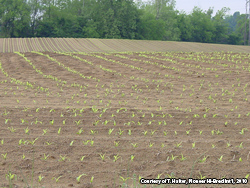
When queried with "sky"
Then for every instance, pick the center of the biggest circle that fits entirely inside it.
(234, 5)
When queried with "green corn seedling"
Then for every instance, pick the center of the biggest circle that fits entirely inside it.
(56, 179)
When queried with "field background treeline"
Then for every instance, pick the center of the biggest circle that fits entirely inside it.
(119, 19)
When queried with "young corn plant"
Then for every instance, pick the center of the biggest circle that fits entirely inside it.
(92, 132)
(110, 131)
(26, 130)
(203, 160)
(240, 146)
(63, 158)
(10, 177)
(23, 121)
(220, 159)
(82, 158)
(59, 130)
(201, 177)
(218, 132)
(193, 145)
(56, 179)
(187, 132)
(228, 144)
(86, 142)
(4, 156)
(21, 141)
(92, 179)
(49, 143)
(182, 158)
(45, 157)
(129, 132)
(7, 120)
(13, 130)
(144, 133)
(102, 157)
(243, 131)
(212, 132)
(132, 158)
(32, 142)
(78, 122)
(40, 178)
(153, 132)
(124, 179)
(135, 145)
(172, 158)
(96, 122)
(116, 157)
(64, 121)
(165, 133)
(52, 122)
(94, 109)
(79, 177)
(150, 144)
(120, 132)
(80, 131)
(178, 145)
(116, 143)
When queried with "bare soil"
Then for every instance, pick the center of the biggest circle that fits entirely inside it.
(111, 45)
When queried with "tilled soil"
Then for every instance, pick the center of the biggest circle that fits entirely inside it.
(9, 45)
(115, 118)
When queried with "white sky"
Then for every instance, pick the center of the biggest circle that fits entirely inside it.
(234, 5)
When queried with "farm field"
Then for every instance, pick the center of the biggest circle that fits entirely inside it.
(110, 45)
(108, 119)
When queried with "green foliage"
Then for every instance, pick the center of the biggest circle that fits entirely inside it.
(185, 27)
(232, 21)
(240, 28)
(202, 26)
(150, 28)
(120, 19)
(14, 18)
(115, 18)
(220, 25)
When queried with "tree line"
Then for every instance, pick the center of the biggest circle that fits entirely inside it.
(119, 19)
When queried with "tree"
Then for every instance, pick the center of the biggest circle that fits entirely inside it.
(221, 27)
(163, 11)
(202, 26)
(14, 18)
(240, 28)
(149, 28)
(35, 14)
(233, 39)
(185, 27)
(115, 18)
(127, 16)
(232, 21)
(169, 16)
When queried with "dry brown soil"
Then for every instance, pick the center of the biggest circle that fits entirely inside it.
(182, 115)
(110, 45)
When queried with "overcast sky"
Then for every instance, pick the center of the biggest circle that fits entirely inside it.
(234, 5)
